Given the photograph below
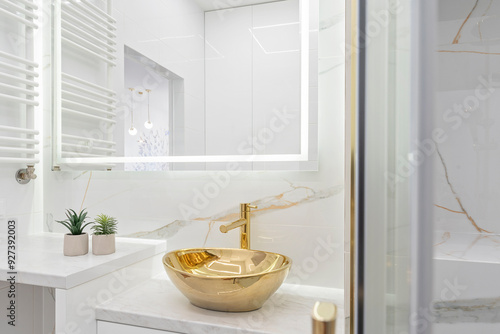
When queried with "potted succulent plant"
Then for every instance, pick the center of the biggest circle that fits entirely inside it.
(103, 238)
(76, 242)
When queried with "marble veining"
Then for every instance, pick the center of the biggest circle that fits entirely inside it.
(471, 51)
(457, 197)
(459, 33)
(467, 247)
(297, 195)
(469, 35)
(471, 310)
(293, 197)
(446, 236)
(163, 232)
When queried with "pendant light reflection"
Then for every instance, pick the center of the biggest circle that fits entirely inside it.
(148, 124)
(132, 131)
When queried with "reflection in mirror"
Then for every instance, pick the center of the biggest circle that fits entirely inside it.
(184, 84)
(150, 133)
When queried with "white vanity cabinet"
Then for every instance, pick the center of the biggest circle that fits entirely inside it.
(105, 327)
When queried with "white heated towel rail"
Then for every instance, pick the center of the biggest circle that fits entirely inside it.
(86, 39)
(18, 74)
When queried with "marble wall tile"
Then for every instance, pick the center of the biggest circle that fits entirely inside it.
(151, 208)
(467, 182)
(466, 159)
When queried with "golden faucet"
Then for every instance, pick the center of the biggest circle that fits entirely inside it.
(243, 223)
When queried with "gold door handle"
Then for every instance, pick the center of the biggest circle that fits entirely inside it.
(323, 318)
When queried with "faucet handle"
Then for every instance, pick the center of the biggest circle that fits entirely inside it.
(246, 207)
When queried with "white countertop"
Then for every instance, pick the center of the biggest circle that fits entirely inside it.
(159, 305)
(40, 260)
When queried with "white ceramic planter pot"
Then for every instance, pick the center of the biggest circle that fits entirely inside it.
(103, 244)
(75, 245)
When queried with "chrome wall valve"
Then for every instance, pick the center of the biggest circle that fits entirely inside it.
(25, 175)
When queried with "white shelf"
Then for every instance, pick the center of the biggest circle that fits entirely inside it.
(40, 260)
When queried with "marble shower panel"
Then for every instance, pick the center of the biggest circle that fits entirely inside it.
(467, 182)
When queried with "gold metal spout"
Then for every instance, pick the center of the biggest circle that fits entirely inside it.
(243, 223)
(233, 225)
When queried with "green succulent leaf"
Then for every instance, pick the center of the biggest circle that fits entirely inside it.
(104, 224)
(74, 221)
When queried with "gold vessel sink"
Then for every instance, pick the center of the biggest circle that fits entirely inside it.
(224, 279)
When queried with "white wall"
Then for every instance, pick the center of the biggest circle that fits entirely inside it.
(19, 201)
